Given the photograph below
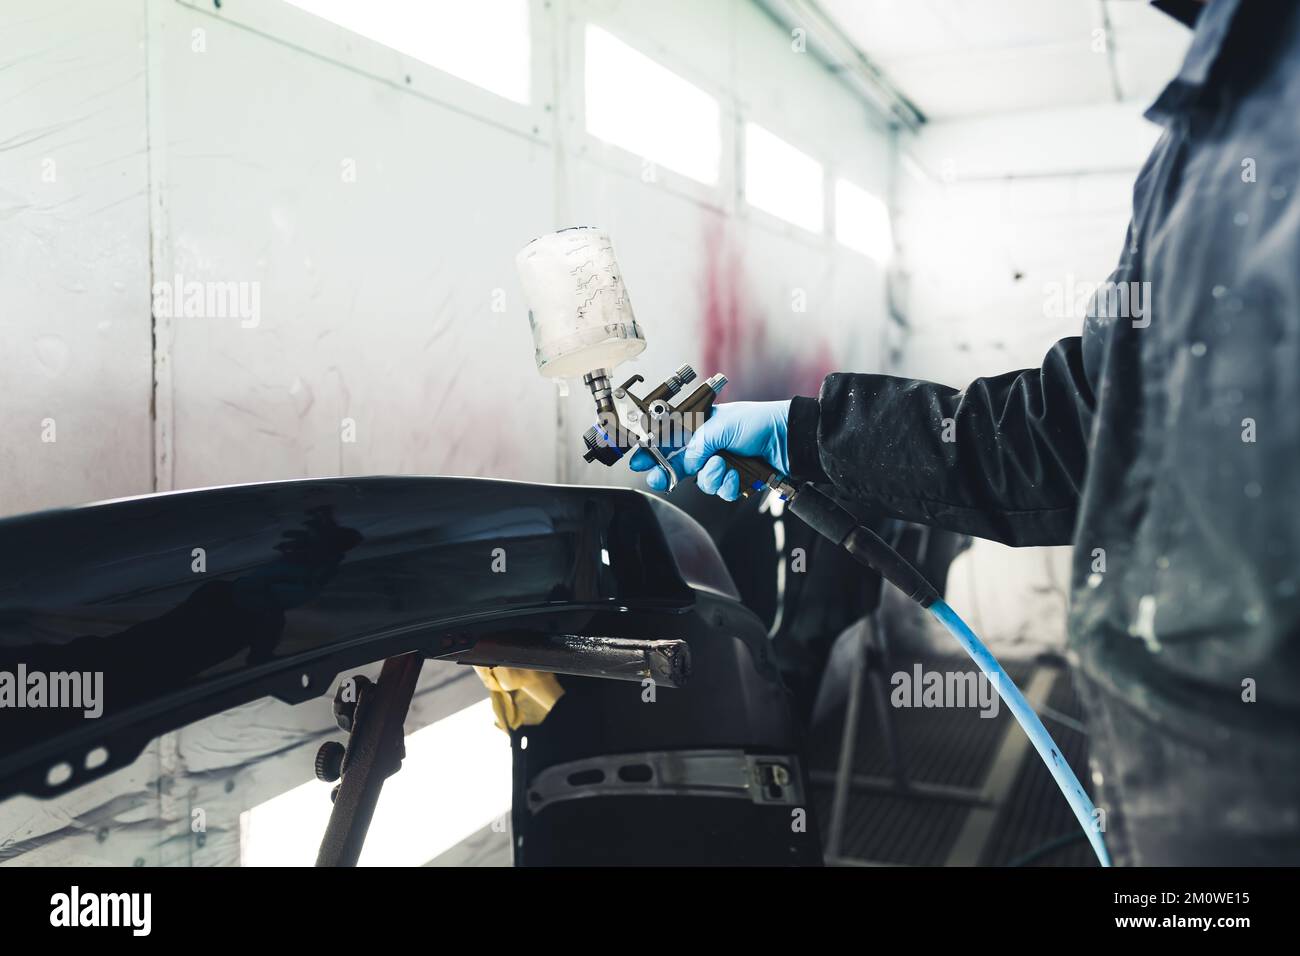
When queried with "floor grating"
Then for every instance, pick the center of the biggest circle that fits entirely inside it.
(955, 747)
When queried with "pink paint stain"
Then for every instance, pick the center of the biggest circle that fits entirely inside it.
(734, 331)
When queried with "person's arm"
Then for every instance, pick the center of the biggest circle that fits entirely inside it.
(1002, 459)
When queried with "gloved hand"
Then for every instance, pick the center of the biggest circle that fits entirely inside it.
(749, 429)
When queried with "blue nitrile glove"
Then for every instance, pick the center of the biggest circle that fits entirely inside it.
(749, 429)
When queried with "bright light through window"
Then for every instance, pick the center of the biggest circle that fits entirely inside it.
(638, 105)
(485, 41)
(782, 180)
(455, 780)
(862, 221)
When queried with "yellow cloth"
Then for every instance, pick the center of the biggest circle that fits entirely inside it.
(520, 697)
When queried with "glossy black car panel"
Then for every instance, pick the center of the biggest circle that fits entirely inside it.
(192, 602)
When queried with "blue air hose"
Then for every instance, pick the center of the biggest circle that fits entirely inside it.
(1084, 811)
(829, 519)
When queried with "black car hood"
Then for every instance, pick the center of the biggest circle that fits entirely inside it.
(185, 604)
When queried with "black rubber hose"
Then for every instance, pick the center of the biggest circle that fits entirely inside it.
(824, 516)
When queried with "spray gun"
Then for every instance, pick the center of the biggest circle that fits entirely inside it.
(645, 422)
(583, 326)
(648, 420)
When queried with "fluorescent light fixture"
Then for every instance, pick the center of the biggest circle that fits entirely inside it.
(455, 780)
(644, 108)
(782, 180)
(862, 221)
(485, 42)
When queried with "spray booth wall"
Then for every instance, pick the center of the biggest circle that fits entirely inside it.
(375, 204)
(370, 207)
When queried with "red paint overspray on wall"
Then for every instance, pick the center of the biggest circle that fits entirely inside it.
(734, 330)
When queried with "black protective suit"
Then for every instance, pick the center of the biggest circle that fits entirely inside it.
(1164, 444)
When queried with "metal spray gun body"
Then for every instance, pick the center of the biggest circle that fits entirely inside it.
(626, 421)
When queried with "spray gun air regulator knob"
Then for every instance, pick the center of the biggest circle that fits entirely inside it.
(682, 377)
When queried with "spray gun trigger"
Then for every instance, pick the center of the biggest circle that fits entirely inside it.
(648, 444)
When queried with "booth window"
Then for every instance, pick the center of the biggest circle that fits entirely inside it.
(640, 106)
(862, 221)
(782, 180)
(456, 779)
(486, 42)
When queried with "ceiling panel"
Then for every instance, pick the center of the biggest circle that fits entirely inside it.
(956, 58)
(990, 81)
(904, 28)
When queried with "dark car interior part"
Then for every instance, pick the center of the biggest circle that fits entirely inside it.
(710, 774)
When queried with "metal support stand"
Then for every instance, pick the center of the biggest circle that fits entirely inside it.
(374, 752)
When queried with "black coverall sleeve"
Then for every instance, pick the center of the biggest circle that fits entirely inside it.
(1003, 459)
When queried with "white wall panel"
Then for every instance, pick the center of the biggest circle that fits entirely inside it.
(74, 254)
(377, 289)
(994, 216)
